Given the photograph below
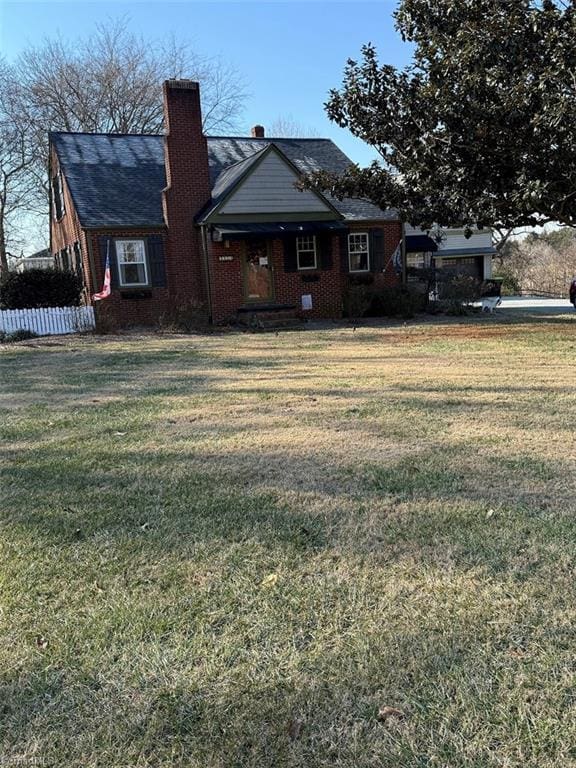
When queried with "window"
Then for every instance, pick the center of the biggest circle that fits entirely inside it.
(306, 252)
(58, 196)
(358, 252)
(418, 260)
(132, 268)
(62, 260)
(78, 259)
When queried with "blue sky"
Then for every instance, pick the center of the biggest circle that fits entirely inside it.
(289, 53)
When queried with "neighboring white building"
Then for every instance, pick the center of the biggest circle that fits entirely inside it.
(39, 260)
(451, 250)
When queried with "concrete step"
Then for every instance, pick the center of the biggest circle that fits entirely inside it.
(270, 321)
(277, 323)
(265, 318)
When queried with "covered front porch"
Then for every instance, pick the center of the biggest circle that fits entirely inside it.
(259, 271)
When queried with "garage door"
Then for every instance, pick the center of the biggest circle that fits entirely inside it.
(471, 266)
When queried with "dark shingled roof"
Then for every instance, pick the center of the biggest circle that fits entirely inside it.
(116, 180)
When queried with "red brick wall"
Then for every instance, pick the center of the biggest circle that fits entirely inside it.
(188, 190)
(65, 232)
(327, 293)
(117, 309)
(227, 282)
(226, 286)
(392, 236)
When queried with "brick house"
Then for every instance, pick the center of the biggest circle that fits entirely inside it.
(218, 222)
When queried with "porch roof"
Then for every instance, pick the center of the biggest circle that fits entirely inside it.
(420, 244)
(271, 229)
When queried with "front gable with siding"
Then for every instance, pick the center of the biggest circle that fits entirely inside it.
(265, 187)
(273, 245)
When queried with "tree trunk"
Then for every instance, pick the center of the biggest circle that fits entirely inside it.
(3, 252)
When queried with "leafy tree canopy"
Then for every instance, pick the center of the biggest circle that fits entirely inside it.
(480, 129)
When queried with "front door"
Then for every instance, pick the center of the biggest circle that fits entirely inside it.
(258, 285)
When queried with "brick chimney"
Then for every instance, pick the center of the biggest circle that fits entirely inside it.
(257, 132)
(187, 187)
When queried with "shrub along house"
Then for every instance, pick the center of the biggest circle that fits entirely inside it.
(189, 220)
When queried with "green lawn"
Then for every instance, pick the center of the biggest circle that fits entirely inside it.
(235, 550)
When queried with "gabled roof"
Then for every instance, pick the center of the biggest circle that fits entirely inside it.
(116, 180)
(43, 254)
(308, 155)
(234, 176)
(230, 177)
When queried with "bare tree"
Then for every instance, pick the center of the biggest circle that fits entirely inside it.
(539, 263)
(286, 127)
(18, 162)
(111, 82)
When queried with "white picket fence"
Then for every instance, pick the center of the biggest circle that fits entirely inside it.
(48, 321)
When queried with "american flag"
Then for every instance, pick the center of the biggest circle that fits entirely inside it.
(397, 257)
(105, 292)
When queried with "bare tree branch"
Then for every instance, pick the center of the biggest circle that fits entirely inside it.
(110, 82)
(286, 127)
(18, 190)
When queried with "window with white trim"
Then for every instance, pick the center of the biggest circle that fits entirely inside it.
(358, 252)
(132, 266)
(306, 252)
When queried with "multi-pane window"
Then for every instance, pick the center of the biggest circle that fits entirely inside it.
(306, 252)
(132, 268)
(358, 252)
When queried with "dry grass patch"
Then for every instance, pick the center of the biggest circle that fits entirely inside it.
(239, 550)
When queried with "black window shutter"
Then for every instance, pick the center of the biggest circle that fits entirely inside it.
(325, 250)
(77, 258)
(376, 250)
(344, 263)
(290, 261)
(57, 196)
(107, 245)
(156, 261)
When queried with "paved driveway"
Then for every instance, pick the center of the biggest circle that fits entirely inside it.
(529, 305)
